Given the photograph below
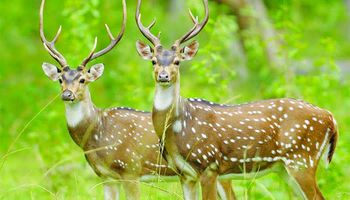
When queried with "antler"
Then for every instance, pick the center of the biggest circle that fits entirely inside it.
(197, 26)
(50, 46)
(113, 43)
(146, 31)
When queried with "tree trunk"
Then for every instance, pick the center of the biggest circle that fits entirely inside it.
(244, 21)
(268, 34)
(258, 23)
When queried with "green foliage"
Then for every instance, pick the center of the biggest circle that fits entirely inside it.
(44, 163)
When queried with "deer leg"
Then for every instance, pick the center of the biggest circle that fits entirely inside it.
(111, 191)
(305, 180)
(225, 190)
(189, 188)
(132, 188)
(208, 184)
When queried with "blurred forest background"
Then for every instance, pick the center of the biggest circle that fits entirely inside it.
(250, 50)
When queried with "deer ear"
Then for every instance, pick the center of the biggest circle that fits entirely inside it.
(189, 51)
(51, 71)
(95, 72)
(145, 51)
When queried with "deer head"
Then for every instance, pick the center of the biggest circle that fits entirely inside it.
(74, 81)
(166, 62)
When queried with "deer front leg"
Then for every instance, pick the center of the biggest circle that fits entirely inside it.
(208, 183)
(225, 190)
(306, 182)
(111, 191)
(189, 188)
(131, 188)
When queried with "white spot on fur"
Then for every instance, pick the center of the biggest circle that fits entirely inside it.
(177, 126)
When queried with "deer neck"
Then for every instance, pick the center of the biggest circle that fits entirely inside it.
(167, 99)
(166, 96)
(81, 119)
(167, 108)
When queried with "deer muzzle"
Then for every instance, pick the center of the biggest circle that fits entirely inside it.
(163, 76)
(67, 95)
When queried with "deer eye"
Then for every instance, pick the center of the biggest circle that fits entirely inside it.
(153, 62)
(60, 80)
(82, 81)
(176, 62)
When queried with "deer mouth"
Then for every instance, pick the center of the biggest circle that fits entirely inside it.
(70, 101)
(164, 83)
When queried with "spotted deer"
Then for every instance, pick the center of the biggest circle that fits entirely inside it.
(205, 139)
(119, 143)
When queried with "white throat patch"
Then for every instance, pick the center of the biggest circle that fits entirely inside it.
(164, 97)
(75, 113)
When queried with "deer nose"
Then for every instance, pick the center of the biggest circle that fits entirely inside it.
(67, 95)
(163, 76)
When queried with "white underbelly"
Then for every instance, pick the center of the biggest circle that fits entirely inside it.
(240, 176)
(252, 175)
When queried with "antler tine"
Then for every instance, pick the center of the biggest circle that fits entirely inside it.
(50, 46)
(152, 24)
(194, 19)
(109, 32)
(197, 26)
(183, 38)
(113, 43)
(146, 31)
(57, 34)
(88, 59)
